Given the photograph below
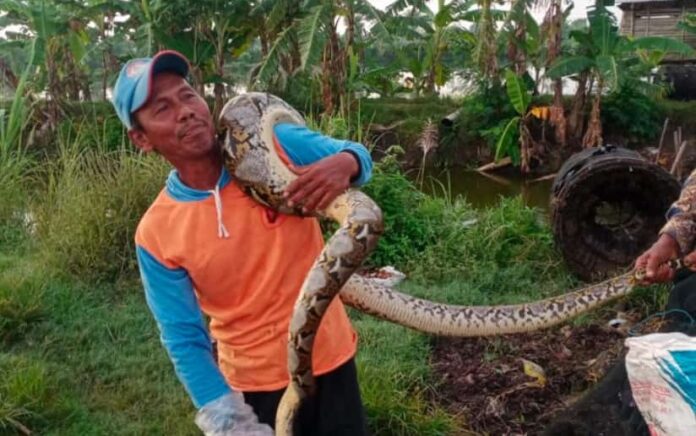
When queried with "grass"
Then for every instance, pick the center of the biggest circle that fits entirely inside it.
(79, 350)
(87, 361)
(84, 358)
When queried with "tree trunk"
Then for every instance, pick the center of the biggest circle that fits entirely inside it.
(515, 55)
(219, 88)
(263, 37)
(326, 92)
(593, 136)
(8, 74)
(486, 50)
(554, 23)
(558, 119)
(576, 119)
(334, 71)
(86, 91)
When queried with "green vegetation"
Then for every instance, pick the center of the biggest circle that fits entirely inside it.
(79, 351)
(61, 54)
(631, 118)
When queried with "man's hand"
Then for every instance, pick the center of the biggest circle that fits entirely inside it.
(319, 183)
(654, 260)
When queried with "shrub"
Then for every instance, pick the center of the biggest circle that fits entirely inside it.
(484, 245)
(631, 118)
(13, 198)
(481, 112)
(406, 230)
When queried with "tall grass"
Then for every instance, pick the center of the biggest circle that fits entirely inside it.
(89, 204)
(14, 125)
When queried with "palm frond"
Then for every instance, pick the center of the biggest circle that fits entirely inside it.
(271, 65)
(311, 33)
(277, 14)
(376, 17)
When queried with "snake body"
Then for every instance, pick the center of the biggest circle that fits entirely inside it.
(250, 155)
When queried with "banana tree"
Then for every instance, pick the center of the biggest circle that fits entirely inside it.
(486, 54)
(207, 32)
(60, 43)
(688, 23)
(430, 45)
(611, 61)
(312, 36)
(553, 30)
(516, 131)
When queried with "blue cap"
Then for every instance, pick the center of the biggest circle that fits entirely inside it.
(133, 86)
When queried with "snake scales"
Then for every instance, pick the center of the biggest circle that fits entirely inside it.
(250, 155)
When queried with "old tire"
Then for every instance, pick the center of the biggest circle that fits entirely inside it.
(607, 206)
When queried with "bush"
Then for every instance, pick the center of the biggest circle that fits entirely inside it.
(407, 231)
(89, 208)
(13, 199)
(483, 245)
(631, 118)
(481, 112)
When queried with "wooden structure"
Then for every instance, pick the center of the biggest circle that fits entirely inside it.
(658, 18)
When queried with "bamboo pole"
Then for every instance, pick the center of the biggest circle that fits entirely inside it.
(678, 158)
(542, 178)
(662, 140)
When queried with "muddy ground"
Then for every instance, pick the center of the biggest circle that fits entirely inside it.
(484, 384)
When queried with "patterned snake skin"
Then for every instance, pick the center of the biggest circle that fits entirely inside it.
(250, 155)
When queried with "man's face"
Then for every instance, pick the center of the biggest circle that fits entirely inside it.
(175, 121)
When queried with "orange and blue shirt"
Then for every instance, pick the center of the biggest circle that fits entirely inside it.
(245, 279)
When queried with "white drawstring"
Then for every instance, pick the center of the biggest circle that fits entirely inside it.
(222, 231)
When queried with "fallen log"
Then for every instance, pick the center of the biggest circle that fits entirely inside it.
(495, 165)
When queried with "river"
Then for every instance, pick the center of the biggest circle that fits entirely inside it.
(484, 190)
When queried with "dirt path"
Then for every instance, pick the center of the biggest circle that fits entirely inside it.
(484, 383)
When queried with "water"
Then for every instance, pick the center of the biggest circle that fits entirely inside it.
(485, 190)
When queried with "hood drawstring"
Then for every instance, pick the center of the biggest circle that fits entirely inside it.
(222, 231)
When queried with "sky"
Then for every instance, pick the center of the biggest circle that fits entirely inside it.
(579, 11)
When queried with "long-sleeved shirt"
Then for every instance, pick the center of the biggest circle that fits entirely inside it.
(681, 217)
(217, 251)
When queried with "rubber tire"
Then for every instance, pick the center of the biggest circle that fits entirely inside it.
(608, 178)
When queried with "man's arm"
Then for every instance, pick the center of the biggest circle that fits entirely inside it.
(169, 294)
(681, 224)
(676, 237)
(305, 147)
(330, 166)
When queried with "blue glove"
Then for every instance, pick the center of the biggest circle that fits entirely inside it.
(229, 415)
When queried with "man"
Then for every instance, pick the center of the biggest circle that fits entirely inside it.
(676, 237)
(609, 407)
(676, 240)
(204, 246)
